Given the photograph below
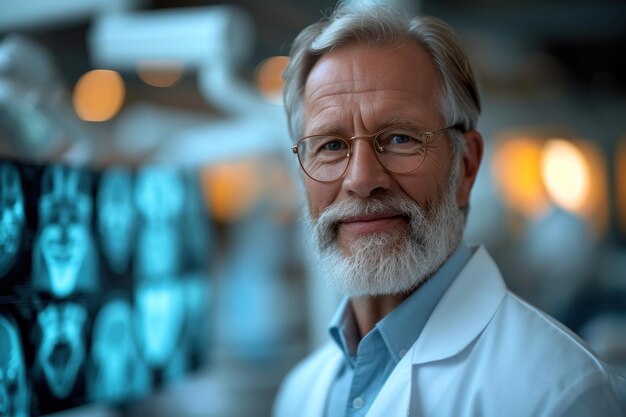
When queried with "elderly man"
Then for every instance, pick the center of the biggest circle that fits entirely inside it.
(384, 111)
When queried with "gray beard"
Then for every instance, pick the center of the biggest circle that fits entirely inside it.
(388, 262)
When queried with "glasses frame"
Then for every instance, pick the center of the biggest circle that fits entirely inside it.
(427, 136)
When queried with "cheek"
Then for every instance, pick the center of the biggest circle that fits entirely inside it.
(319, 196)
(425, 187)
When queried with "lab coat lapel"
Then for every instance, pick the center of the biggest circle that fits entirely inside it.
(316, 400)
(463, 312)
(393, 398)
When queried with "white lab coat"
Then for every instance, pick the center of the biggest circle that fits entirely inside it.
(483, 353)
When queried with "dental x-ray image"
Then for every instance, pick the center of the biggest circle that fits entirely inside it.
(197, 243)
(160, 316)
(159, 297)
(12, 218)
(159, 197)
(104, 290)
(63, 254)
(116, 217)
(196, 331)
(14, 400)
(117, 372)
(196, 228)
(60, 355)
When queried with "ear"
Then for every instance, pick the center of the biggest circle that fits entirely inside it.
(470, 162)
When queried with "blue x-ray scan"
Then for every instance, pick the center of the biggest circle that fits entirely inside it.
(74, 331)
(118, 372)
(116, 218)
(159, 198)
(63, 255)
(160, 316)
(197, 294)
(61, 352)
(197, 230)
(11, 215)
(197, 243)
(159, 298)
(13, 389)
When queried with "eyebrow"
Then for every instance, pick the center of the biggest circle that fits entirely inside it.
(403, 121)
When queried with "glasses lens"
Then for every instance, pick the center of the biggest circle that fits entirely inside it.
(323, 158)
(401, 150)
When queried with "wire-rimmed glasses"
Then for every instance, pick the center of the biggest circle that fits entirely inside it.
(399, 149)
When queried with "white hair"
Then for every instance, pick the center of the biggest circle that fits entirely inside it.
(379, 25)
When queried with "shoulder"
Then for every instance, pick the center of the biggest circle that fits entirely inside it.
(522, 331)
(553, 366)
(307, 381)
(310, 367)
(525, 328)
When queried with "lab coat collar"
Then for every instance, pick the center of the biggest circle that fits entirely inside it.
(461, 315)
(463, 312)
(315, 404)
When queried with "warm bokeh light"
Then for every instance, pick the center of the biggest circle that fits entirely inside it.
(269, 78)
(160, 73)
(283, 194)
(596, 209)
(620, 183)
(516, 171)
(98, 95)
(566, 174)
(575, 178)
(231, 188)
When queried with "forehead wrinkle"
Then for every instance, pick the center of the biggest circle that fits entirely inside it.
(339, 88)
(340, 118)
(366, 89)
(373, 98)
(331, 119)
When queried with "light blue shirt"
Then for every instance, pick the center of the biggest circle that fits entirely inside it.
(369, 362)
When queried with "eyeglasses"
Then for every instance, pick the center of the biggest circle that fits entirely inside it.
(399, 149)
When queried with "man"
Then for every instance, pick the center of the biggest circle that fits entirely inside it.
(384, 111)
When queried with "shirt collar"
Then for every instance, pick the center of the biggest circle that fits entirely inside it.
(344, 331)
(416, 309)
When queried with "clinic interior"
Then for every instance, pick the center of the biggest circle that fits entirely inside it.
(171, 110)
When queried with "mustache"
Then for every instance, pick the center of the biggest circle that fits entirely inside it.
(325, 227)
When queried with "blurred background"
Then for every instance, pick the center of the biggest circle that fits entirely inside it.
(167, 115)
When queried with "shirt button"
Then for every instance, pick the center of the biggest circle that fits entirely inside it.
(357, 402)
(402, 353)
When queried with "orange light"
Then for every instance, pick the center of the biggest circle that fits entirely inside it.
(283, 193)
(516, 171)
(269, 78)
(575, 177)
(620, 183)
(160, 73)
(232, 189)
(566, 174)
(98, 95)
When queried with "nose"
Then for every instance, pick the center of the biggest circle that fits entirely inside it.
(365, 176)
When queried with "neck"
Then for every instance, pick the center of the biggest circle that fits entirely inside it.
(369, 310)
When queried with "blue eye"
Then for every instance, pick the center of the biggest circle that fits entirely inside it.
(334, 145)
(399, 139)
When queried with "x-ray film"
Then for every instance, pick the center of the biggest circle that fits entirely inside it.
(117, 216)
(117, 371)
(104, 292)
(14, 399)
(63, 254)
(12, 218)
